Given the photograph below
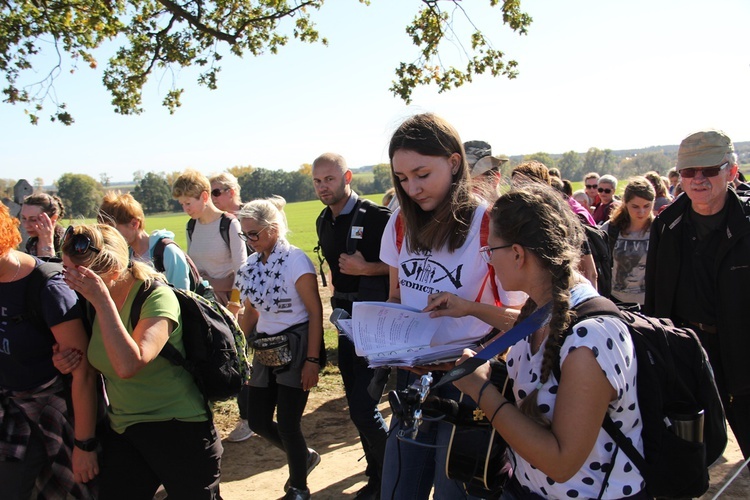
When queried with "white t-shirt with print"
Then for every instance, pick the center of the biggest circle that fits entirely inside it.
(461, 272)
(290, 310)
(609, 340)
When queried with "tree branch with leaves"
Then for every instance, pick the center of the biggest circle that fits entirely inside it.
(170, 34)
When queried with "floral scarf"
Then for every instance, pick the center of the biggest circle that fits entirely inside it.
(263, 284)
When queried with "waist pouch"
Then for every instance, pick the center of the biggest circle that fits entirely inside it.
(273, 350)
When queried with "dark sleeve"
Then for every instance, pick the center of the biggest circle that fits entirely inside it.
(649, 305)
(58, 302)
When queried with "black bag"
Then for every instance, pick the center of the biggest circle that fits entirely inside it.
(215, 346)
(598, 244)
(673, 373)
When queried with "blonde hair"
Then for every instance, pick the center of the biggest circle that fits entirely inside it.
(113, 255)
(268, 212)
(190, 183)
(227, 181)
(120, 209)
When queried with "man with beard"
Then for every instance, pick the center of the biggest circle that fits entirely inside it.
(349, 233)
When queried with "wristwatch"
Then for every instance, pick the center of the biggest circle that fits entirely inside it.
(87, 445)
(47, 249)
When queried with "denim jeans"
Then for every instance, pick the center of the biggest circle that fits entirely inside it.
(410, 470)
(363, 410)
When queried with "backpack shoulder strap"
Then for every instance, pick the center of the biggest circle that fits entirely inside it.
(484, 233)
(140, 298)
(159, 247)
(226, 221)
(613, 233)
(399, 225)
(190, 229)
(357, 220)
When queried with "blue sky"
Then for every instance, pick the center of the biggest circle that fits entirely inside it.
(593, 73)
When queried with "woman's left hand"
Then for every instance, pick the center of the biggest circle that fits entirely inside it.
(309, 375)
(85, 465)
(86, 282)
(45, 230)
(471, 383)
(421, 370)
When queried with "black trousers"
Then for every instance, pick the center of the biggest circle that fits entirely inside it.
(183, 456)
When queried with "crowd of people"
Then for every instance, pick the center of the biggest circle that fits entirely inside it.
(89, 409)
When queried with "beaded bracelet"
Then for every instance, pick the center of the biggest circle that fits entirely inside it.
(479, 398)
(498, 409)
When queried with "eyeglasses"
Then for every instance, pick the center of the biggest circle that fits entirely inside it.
(591, 186)
(80, 243)
(486, 251)
(251, 235)
(604, 190)
(689, 173)
(217, 192)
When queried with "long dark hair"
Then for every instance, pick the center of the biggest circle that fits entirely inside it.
(639, 187)
(449, 223)
(536, 217)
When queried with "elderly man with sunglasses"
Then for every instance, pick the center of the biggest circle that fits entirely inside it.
(698, 267)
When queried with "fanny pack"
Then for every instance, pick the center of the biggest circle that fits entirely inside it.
(273, 351)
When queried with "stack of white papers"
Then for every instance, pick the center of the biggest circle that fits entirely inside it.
(389, 334)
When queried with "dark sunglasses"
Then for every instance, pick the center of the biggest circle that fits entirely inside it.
(604, 190)
(217, 192)
(591, 186)
(79, 243)
(689, 173)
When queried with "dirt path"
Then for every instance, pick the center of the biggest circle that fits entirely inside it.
(256, 470)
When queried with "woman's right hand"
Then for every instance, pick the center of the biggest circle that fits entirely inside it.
(471, 384)
(447, 304)
(67, 360)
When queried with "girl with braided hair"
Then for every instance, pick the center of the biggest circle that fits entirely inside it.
(555, 427)
(40, 214)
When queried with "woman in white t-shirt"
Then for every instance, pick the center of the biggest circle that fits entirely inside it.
(218, 261)
(555, 427)
(279, 288)
(432, 244)
(629, 230)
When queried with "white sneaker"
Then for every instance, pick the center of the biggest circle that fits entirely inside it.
(241, 432)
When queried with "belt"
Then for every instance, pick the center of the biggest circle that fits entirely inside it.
(351, 297)
(702, 327)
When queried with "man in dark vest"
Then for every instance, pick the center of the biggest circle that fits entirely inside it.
(698, 268)
(349, 233)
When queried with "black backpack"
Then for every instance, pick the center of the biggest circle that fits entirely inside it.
(598, 244)
(673, 372)
(226, 221)
(215, 347)
(196, 281)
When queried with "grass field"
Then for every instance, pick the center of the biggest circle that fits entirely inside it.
(300, 217)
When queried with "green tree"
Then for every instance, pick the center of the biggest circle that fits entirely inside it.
(571, 166)
(542, 158)
(80, 193)
(599, 160)
(642, 163)
(154, 193)
(164, 36)
(382, 178)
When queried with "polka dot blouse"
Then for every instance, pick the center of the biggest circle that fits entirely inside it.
(609, 340)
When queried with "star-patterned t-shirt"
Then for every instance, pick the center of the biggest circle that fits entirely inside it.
(608, 338)
(270, 287)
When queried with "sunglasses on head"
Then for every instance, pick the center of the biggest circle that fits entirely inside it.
(217, 192)
(591, 186)
(689, 173)
(605, 190)
(79, 243)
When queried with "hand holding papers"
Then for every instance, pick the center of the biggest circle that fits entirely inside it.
(390, 334)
